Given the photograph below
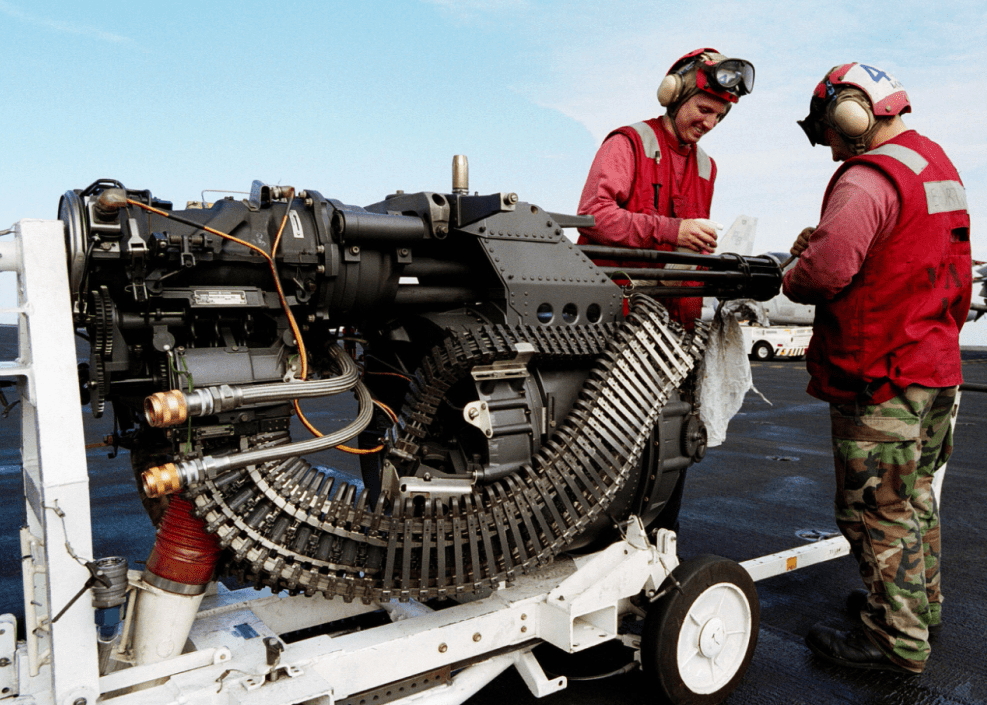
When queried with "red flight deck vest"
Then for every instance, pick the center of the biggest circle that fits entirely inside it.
(656, 192)
(898, 321)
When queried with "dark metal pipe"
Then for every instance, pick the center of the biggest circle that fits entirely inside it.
(415, 295)
(664, 292)
(356, 227)
(767, 264)
(134, 321)
(673, 464)
(630, 254)
(487, 475)
(511, 429)
(501, 404)
(676, 274)
(676, 408)
(437, 268)
(973, 387)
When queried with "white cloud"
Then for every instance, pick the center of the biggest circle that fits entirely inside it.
(61, 27)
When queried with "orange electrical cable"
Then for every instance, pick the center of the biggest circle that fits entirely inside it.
(346, 449)
(274, 271)
(406, 378)
(291, 319)
(270, 261)
(287, 309)
(361, 451)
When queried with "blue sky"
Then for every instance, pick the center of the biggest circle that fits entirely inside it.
(357, 99)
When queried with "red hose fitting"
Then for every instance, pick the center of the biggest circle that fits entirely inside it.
(183, 553)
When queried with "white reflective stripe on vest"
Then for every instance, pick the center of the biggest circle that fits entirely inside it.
(652, 149)
(704, 162)
(945, 196)
(649, 140)
(909, 157)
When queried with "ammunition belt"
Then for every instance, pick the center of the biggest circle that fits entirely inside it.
(286, 529)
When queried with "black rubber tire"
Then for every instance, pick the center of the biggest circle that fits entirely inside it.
(762, 351)
(723, 603)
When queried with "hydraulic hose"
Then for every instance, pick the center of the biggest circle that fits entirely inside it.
(172, 477)
(173, 407)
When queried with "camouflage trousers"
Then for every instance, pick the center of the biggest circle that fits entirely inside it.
(885, 456)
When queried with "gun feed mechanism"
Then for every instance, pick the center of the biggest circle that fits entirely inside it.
(507, 408)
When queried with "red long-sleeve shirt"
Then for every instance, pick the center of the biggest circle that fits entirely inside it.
(862, 211)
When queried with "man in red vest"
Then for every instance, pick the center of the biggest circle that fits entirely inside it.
(889, 271)
(650, 185)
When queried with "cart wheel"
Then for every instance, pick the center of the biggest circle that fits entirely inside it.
(699, 639)
(762, 351)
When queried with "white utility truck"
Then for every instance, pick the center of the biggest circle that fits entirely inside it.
(768, 342)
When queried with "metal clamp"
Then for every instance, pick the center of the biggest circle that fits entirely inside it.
(506, 369)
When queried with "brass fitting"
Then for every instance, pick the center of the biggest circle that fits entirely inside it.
(161, 480)
(164, 409)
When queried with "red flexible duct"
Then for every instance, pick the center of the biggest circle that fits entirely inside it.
(183, 551)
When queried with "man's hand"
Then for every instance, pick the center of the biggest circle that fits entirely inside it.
(801, 242)
(698, 235)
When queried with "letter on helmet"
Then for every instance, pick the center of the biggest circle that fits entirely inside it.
(886, 94)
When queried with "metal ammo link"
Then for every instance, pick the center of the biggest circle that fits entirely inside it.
(285, 532)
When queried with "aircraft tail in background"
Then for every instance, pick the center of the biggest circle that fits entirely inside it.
(739, 238)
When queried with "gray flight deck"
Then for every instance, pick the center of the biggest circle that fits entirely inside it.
(748, 498)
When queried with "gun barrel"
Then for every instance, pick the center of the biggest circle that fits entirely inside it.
(726, 276)
(727, 260)
(430, 267)
(651, 273)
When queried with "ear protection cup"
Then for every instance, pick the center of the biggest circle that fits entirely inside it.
(850, 117)
(669, 90)
(854, 100)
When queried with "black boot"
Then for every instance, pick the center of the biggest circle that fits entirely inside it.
(851, 649)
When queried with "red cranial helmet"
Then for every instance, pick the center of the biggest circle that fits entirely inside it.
(709, 71)
(850, 99)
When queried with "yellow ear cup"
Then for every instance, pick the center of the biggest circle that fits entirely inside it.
(851, 118)
(669, 90)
